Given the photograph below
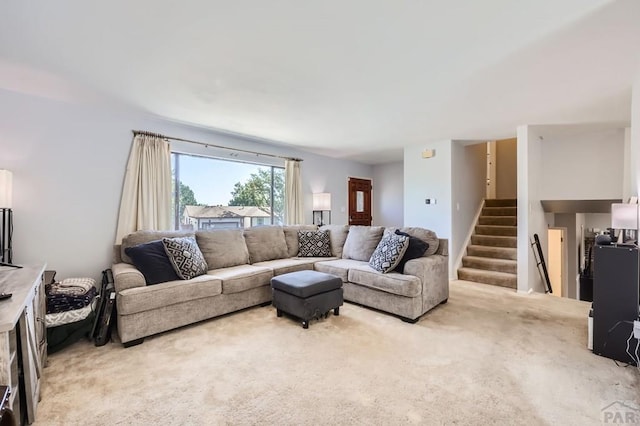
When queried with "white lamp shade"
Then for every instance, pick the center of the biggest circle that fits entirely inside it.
(322, 201)
(6, 188)
(624, 216)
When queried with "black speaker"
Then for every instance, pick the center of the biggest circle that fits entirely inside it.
(616, 288)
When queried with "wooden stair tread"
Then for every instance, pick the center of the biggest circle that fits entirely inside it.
(499, 211)
(490, 264)
(502, 279)
(488, 273)
(494, 240)
(502, 249)
(492, 260)
(498, 220)
(497, 230)
(501, 202)
(492, 252)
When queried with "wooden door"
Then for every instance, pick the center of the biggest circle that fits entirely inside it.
(359, 202)
(491, 170)
(557, 260)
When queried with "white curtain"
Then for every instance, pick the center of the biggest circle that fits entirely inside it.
(146, 195)
(294, 214)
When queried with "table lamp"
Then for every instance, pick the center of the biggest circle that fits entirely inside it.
(321, 205)
(625, 217)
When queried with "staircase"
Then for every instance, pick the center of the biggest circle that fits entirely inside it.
(492, 254)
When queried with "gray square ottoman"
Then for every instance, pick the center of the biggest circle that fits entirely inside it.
(307, 295)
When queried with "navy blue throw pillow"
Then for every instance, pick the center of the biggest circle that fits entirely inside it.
(152, 260)
(416, 249)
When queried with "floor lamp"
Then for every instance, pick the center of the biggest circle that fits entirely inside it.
(6, 216)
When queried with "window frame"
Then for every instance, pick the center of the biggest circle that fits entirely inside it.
(175, 167)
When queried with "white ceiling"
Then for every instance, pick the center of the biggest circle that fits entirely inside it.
(355, 79)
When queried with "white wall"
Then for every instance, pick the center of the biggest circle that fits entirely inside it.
(561, 163)
(324, 174)
(388, 194)
(531, 217)
(69, 161)
(629, 162)
(469, 171)
(582, 166)
(506, 168)
(575, 222)
(428, 178)
(568, 221)
(600, 221)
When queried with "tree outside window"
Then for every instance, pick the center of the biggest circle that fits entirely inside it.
(219, 194)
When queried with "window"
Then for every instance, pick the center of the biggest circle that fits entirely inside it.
(209, 193)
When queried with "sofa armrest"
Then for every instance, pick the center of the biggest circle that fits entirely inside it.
(433, 272)
(127, 276)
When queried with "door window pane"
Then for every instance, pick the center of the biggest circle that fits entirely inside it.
(359, 201)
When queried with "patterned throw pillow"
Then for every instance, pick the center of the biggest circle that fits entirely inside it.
(314, 244)
(389, 252)
(185, 257)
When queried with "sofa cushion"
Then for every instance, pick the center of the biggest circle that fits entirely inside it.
(338, 267)
(223, 247)
(185, 256)
(140, 237)
(265, 243)
(140, 299)
(304, 284)
(337, 235)
(291, 237)
(284, 266)
(416, 249)
(425, 235)
(152, 260)
(242, 277)
(389, 252)
(361, 242)
(314, 244)
(393, 282)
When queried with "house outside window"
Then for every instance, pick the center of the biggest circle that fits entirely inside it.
(210, 193)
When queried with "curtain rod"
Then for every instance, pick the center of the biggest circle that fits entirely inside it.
(158, 135)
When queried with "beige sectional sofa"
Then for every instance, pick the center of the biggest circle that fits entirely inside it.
(241, 264)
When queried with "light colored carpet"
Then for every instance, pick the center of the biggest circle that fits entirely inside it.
(489, 356)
